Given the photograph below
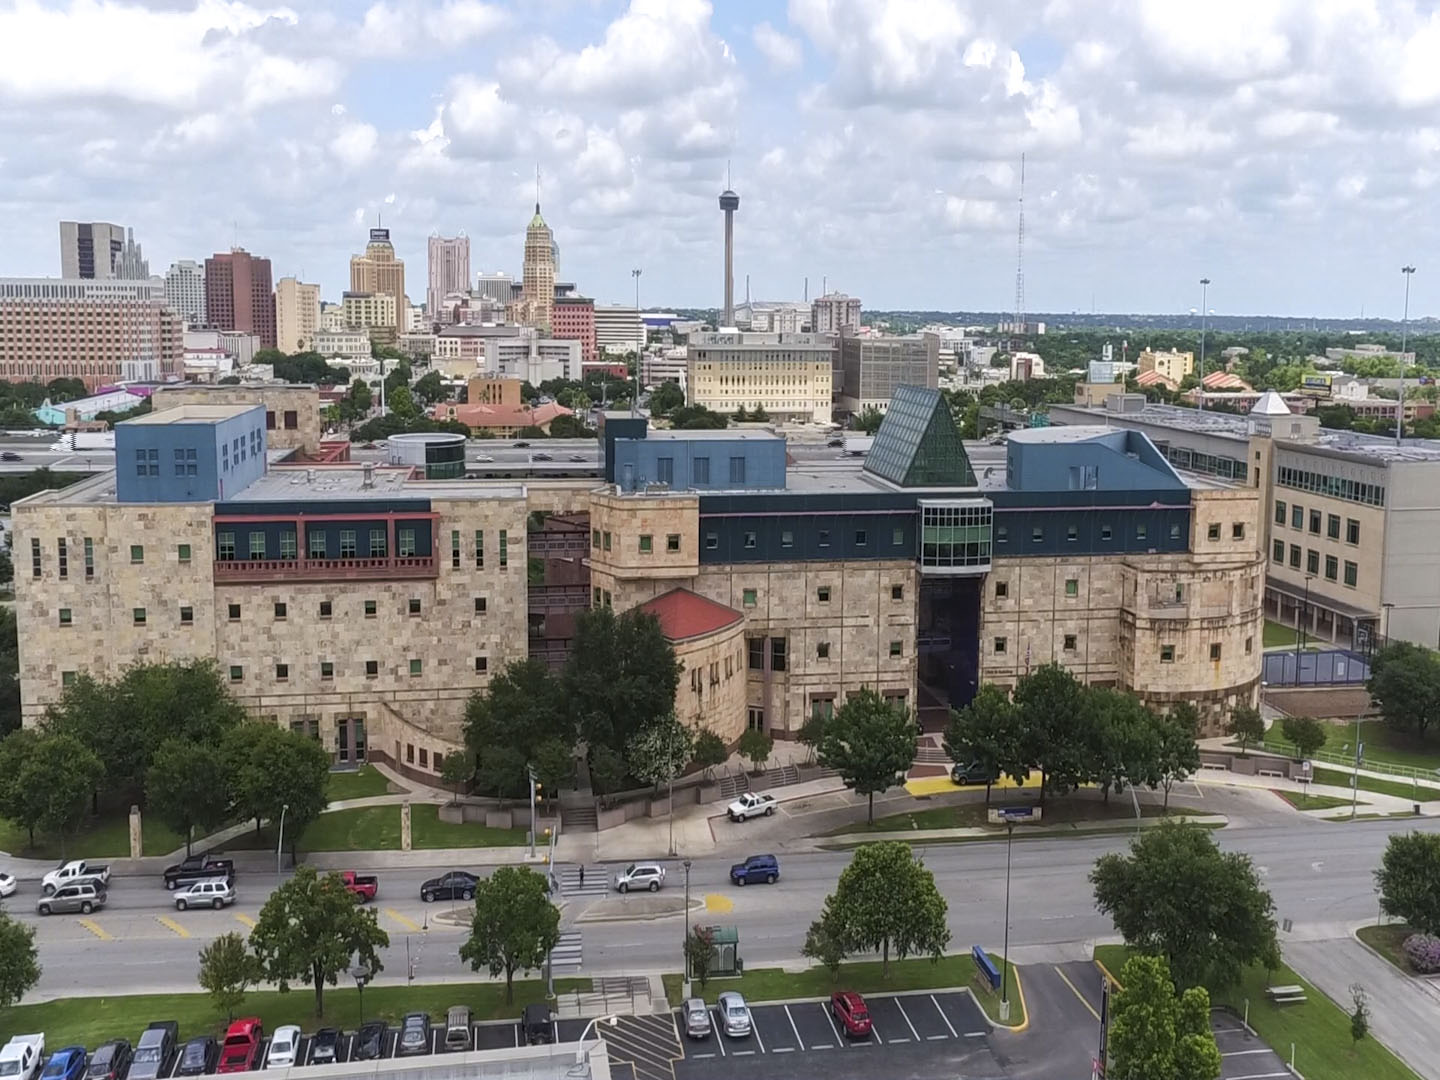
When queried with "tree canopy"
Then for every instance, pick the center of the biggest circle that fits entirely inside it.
(666, 398)
(870, 741)
(1157, 1034)
(188, 786)
(621, 676)
(1409, 880)
(274, 771)
(886, 902)
(19, 968)
(515, 925)
(1405, 684)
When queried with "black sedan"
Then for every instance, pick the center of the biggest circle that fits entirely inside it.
(456, 885)
(414, 1035)
(325, 1047)
(110, 1061)
(370, 1041)
(198, 1057)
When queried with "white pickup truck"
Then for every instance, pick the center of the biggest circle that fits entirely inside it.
(21, 1057)
(72, 871)
(751, 805)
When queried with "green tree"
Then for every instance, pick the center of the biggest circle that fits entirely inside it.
(1051, 727)
(515, 924)
(812, 731)
(709, 751)
(985, 732)
(871, 742)
(517, 720)
(1122, 739)
(188, 787)
(430, 389)
(9, 660)
(398, 376)
(227, 971)
(1157, 1034)
(1246, 726)
(756, 745)
(309, 929)
(886, 902)
(666, 398)
(825, 944)
(60, 773)
(868, 420)
(699, 952)
(401, 402)
(660, 750)
(457, 772)
(62, 390)
(570, 427)
(19, 966)
(1405, 684)
(1175, 894)
(1305, 732)
(17, 802)
(621, 675)
(1409, 880)
(1178, 754)
(607, 769)
(697, 418)
(275, 772)
(1359, 1014)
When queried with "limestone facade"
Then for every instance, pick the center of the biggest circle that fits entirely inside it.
(292, 413)
(712, 683)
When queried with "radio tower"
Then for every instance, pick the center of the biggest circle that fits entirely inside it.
(1020, 259)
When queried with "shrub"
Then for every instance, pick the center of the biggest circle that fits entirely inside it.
(1423, 952)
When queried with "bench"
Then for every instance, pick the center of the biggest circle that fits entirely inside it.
(1285, 995)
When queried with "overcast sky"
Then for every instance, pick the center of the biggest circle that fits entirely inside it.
(1288, 149)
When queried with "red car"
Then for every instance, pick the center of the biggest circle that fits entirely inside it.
(849, 1010)
(241, 1049)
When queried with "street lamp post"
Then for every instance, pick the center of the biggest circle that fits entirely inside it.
(280, 840)
(1204, 297)
(1005, 951)
(1404, 325)
(685, 949)
(362, 976)
(612, 1019)
(1300, 626)
(639, 347)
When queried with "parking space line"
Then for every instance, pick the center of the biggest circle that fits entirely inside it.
(755, 1030)
(701, 1057)
(798, 1040)
(171, 924)
(830, 1020)
(1261, 1076)
(783, 1050)
(96, 929)
(405, 921)
(943, 1017)
(741, 1053)
(900, 1005)
(1238, 1053)
(974, 1034)
(1074, 990)
(246, 919)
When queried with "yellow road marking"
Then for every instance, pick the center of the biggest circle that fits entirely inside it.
(171, 924)
(1106, 972)
(407, 923)
(96, 929)
(246, 919)
(718, 904)
(1077, 993)
(934, 785)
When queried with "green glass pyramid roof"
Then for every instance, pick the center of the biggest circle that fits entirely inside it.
(918, 444)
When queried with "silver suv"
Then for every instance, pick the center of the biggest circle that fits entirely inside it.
(212, 894)
(81, 896)
(645, 875)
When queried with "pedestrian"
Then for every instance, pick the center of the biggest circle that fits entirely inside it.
(582, 875)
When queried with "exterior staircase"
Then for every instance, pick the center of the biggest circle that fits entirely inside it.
(773, 778)
(580, 818)
(734, 784)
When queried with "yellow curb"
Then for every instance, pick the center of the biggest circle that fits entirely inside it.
(1075, 990)
(1020, 989)
(1106, 972)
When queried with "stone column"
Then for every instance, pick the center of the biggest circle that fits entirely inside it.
(405, 826)
(137, 848)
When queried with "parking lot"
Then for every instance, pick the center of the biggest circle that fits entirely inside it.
(1242, 1055)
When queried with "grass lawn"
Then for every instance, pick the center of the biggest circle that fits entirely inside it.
(1386, 939)
(1275, 635)
(1383, 744)
(1319, 1028)
(101, 838)
(1403, 789)
(1302, 801)
(865, 976)
(377, 828)
(428, 831)
(90, 1021)
(359, 783)
(974, 815)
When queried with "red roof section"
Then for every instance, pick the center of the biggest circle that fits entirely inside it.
(684, 614)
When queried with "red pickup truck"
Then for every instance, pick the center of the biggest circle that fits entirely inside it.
(361, 886)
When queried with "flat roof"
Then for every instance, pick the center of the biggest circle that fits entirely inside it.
(713, 434)
(1207, 422)
(195, 414)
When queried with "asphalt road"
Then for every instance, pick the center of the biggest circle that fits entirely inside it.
(1319, 873)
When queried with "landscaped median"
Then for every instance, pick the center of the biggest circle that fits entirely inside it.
(1062, 817)
(1401, 789)
(377, 828)
(955, 972)
(1318, 1028)
(89, 1021)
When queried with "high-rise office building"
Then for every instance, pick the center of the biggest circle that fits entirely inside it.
(449, 271)
(379, 271)
(573, 318)
(98, 251)
(538, 275)
(238, 296)
(185, 291)
(499, 286)
(834, 313)
(873, 368)
(297, 315)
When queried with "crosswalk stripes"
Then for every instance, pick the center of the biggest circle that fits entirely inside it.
(566, 954)
(596, 882)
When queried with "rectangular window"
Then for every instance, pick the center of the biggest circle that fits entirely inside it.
(1352, 573)
(479, 549)
(700, 471)
(1002, 590)
(479, 605)
(67, 678)
(405, 543)
(1332, 526)
(712, 541)
(756, 652)
(1237, 531)
(280, 609)
(1072, 586)
(137, 553)
(184, 553)
(777, 654)
(999, 646)
(424, 758)
(257, 545)
(292, 420)
(1315, 522)
(1295, 556)
(1214, 650)
(482, 665)
(1312, 561)
(505, 549)
(822, 651)
(415, 667)
(34, 557)
(315, 544)
(187, 616)
(327, 609)
(282, 672)
(647, 544)
(1069, 643)
(1297, 517)
(372, 668)
(1352, 531)
(1278, 551)
(138, 615)
(414, 605)
(1037, 535)
(787, 538)
(1213, 531)
(755, 718)
(237, 673)
(378, 543)
(410, 756)
(737, 471)
(672, 543)
(234, 610)
(897, 648)
(89, 558)
(861, 538)
(63, 555)
(1279, 512)
(605, 538)
(822, 594)
(747, 597)
(370, 609)
(139, 462)
(665, 470)
(1249, 645)
(1072, 534)
(64, 616)
(749, 540)
(1332, 567)
(347, 543)
(327, 669)
(1140, 532)
(1105, 532)
(454, 549)
(179, 462)
(1002, 534)
(596, 602)
(1174, 531)
(595, 539)
(822, 538)
(897, 592)
(1167, 654)
(897, 537)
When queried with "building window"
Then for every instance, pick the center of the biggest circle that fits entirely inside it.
(184, 552)
(482, 665)
(897, 592)
(737, 471)
(454, 549)
(897, 648)
(1213, 531)
(1167, 654)
(187, 616)
(1352, 573)
(370, 609)
(1279, 512)
(315, 544)
(1002, 534)
(415, 667)
(327, 669)
(1297, 517)
(861, 538)
(822, 651)
(1295, 556)
(1105, 532)
(326, 609)
(1069, 642)
(755, 648)
(64, 558)
(505, 549)
(410, 753)
(787, 538)
(1072, 534)
(606, 537)
(1249, 645)
(1037, 535)
(999, 646)
(64, 616)
(665, 470)
(595, 539)
(34, 557)
(347, 543)
(479, 605)
(479, 549)
(234, 612)
(749, 540)
(292, 420)
(67, 678)
(822, 706)
(1315, 522)
(1237, 531)
(280, 609)
(755, 718)
(1215, 650)
(269, 419)
(822, 538)
(1352, 531)
(237, 673)
(372, 668)
(700, 470)
(1278, 551)
(1312, 561)
(89, 558)
(1174, 530)
(257, 545)
(823, 594)
(596, 602)
(712, 541)
(137, 553)
(282, 672)
(672, 543)
(424, 758)
(647, 544)
(777, 654)
(1002, 590)
(1140, 532)
(1072, 586)
(414, 605)
(1332, 567)
(897, 537)
(1332, 526)
(378, 544)
(405, 541)
(747, 597)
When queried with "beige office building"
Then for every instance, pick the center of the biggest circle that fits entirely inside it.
(297, 315)
(372, 312)
(378, 271)
(538, 274)
(790, 375)
(1167, 363)
(871, 368)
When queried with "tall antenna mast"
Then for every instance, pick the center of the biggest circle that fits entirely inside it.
(1020, 258)
(537, 187)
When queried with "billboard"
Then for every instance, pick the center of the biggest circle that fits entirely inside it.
(1320, 383)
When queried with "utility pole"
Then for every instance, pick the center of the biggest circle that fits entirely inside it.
(1204, 299)
(1404, 325)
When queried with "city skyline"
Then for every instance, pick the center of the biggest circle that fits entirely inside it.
(876, 145)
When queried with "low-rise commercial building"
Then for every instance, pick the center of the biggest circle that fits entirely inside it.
(835, 313)
(789, 375)
(873, 367)
(350, 344)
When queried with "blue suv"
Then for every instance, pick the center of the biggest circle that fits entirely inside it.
(756, 868)
(66, 1064)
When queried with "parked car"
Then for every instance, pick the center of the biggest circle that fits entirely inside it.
(458, 1034)
(155, 1050)
(284, 1046)
(456, 885)
(241, 1050)
(756, 868)
(195, 868)
(82, 896)
(198, 1057)
(751, 805)
(697, 1018)
(212, 894)
(537, 1024)
(74, 870)
(21, 1057)
(370, 1041)
(414, 1035)
(10, 455)
(110, 1061)
(973, 773)
(645, 875)
(850, 1013)
(734, 1014)
(65, 1064)
(361, 886)
(325, 1047)
(7, 885)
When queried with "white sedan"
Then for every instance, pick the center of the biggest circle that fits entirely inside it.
(284, 1045)
(7, 886)
(751, 805)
